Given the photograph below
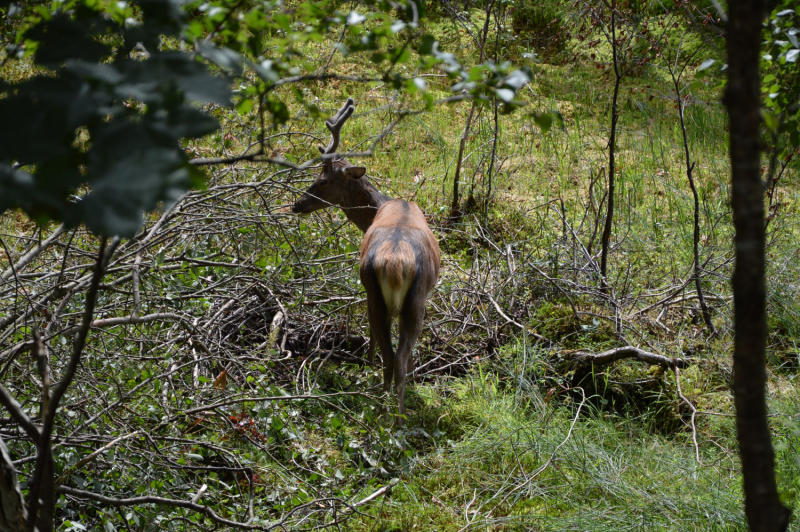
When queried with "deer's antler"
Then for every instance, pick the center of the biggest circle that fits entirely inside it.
(335, 126)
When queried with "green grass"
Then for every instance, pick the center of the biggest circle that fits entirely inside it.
(522, 464)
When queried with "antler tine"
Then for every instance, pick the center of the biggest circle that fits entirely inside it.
(335, 126)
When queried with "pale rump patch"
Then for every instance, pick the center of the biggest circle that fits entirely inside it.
(395, 268)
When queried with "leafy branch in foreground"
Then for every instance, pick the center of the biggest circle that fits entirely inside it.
(108, 117)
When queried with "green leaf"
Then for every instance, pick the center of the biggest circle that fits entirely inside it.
(61, 38)
(355, 18)
(245, 106)
(426, 44)
(278, 109)
(770, 120)
(148, 80)
(183, 122)
(221, 56)
(505, 95)
(131, 169)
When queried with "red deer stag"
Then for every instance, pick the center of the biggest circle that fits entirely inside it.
(399, 255)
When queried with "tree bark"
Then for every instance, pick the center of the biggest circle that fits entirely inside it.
(763, 508)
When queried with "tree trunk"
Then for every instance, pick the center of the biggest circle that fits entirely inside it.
(605, 241)
(696, 234)
(763, 509)
(13, 513)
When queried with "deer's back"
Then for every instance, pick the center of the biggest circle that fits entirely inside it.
(400, 251)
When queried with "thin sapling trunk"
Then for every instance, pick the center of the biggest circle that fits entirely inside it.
(689, 175)
(455, 211)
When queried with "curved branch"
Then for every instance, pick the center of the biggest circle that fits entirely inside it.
(132, 320)
(612, 355)
(161, 501)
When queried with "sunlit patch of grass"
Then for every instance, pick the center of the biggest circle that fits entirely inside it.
(522, 463)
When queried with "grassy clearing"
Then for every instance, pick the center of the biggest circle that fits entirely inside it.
(521, 462)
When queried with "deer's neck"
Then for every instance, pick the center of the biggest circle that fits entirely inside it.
(362, 202)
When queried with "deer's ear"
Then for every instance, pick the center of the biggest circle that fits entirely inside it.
(355, 172)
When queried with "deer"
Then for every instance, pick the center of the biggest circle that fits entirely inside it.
(400, 260)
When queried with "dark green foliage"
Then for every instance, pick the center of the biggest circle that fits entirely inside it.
(103, 119)
(96, 136)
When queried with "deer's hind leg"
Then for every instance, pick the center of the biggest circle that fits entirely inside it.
(411, 322)
(380, 335)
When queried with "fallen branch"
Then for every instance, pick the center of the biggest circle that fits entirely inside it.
(133, 320)
(92, 456)
(160, 501)
(392, 483)
(618, 353)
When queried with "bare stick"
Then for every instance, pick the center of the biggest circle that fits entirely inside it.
(86, 460)
(392, 483)
(689, 168)
(694, 413)
(454, 210)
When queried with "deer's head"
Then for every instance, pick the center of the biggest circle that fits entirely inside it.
(336, 180)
